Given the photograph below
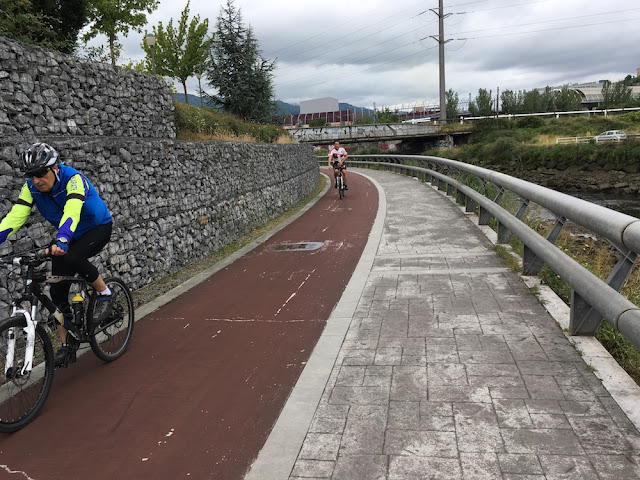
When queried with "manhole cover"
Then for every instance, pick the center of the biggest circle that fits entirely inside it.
(298, 247)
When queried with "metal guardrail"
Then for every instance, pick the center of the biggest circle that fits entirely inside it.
(563, 140)
(591, 298)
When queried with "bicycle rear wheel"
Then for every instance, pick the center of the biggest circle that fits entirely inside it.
(110, 331)
(23, 395)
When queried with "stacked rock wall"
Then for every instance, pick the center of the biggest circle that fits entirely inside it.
(173, 202)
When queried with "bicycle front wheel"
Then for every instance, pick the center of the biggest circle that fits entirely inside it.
(22, 395)
(341, 186)
(111, 323)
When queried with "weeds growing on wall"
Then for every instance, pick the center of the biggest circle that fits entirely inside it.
(203, 124)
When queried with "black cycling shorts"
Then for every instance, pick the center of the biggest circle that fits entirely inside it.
(76, 260)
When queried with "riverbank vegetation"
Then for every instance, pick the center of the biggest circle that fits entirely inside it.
(206, 124)
(529, 143)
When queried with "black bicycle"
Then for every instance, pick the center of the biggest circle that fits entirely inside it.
(26, 348)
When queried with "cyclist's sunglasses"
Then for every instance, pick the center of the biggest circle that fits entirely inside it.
(38, 173)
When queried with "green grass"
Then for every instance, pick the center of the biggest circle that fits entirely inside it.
(196, 123)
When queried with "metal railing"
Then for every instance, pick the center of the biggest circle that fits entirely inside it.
(591, 298)
(563, 140)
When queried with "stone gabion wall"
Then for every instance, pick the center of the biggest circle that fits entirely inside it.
(44, 93)
(173, 202)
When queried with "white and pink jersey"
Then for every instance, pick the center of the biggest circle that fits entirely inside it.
(337, 155)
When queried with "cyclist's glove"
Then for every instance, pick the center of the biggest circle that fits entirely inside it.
(4, 234)
(62, 245)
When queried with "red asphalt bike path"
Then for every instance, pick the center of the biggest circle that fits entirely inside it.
(206, 375)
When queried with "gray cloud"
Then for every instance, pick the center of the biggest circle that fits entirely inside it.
(365, 51)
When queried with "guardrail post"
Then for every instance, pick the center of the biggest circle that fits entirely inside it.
(504, 234)
(584, 319)
(434, 180)
(531, 264)
(484, 216)
(469, 205)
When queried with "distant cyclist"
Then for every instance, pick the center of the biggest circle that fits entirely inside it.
(71, 204)
(338, 158)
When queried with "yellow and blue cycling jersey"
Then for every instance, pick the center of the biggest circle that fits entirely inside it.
(73, 206)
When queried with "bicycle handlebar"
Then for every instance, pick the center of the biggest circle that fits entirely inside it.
(32, 258)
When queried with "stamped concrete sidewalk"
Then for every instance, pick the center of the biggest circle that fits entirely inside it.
(452, 369)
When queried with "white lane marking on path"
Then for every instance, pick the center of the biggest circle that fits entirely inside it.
(261, 320)
(294, 293)
(8, 470)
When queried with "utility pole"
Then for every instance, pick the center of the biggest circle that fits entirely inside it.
(441, 41)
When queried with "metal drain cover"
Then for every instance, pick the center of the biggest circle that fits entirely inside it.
(298, 247)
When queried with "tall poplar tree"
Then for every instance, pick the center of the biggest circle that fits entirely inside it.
(238, 71)
(114, 17)
(182, 52)
(452, 100)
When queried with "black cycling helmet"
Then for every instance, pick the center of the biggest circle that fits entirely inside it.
(37, 157)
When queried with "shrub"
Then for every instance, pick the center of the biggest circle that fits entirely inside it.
(530, 122)
(190, 119)
(317, 122)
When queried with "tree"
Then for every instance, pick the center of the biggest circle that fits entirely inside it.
(52, 24)
(66, 18)
(483, 104)
(451, 102)
(512, 102)
(111, 18)
(531, 101)
(238, 71)
(548, 100)
(180, 53)
(568, 100)
(616, 94)
(387, 116)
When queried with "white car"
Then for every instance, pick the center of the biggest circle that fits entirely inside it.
(615, 135)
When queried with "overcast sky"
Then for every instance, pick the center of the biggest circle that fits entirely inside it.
(366, 51)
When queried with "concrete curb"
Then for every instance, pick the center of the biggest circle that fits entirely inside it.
(279, 453)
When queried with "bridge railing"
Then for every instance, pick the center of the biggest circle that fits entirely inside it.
(591, 298)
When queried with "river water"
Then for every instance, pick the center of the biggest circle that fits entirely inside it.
(628, 203)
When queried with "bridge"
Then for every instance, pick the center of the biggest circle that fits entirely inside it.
(374, 133)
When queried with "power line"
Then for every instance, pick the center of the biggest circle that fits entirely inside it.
(324, 32)
(503, 27)
(549, 29)
(378, 65)
(360, 60)
(395, 38)
(355, 41)
(377, 45)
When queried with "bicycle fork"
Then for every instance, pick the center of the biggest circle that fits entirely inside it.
(30, 330)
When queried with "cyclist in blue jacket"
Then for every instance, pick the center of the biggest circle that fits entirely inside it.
(71, 204)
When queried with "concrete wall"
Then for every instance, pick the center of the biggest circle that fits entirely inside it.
(173, 202)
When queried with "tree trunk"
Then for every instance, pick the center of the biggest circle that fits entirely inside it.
(113, 57)
(186, 99)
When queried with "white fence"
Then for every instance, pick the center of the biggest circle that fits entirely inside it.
(562, 140)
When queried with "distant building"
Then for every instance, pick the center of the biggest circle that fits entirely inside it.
(638, 72)
(591, 92)
(319, 105)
